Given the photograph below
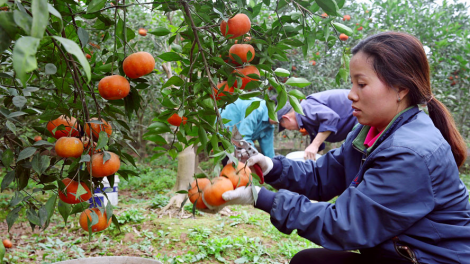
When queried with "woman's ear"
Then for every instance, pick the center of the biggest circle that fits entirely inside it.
(403, 92)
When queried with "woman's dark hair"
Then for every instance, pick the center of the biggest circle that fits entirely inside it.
(400, 62)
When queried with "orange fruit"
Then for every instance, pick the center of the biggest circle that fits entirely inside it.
(303, 131)
(213, 192)
(175, 120)
(142, 32)
(241, 50)
(357, 24)
(284, 136)
(246, 71)
(324, 15)
(100, 226)
(346, 17)
(294, 68)
(97, 128)
(71, 187)
(318, 53)
(239, 176)
(313, 62)
(451, 77)
(343, 37)
(99, 169)
(37, 138)
(359, 28)
(69, 123)
(7, 243)
(114, 87)
(238, 25)
(88, 56)
(225, 91)
(67, 147)
(194, 194)
(138, 64)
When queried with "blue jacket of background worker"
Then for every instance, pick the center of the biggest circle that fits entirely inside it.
(406, 185)
(327, 111)
(255, 126)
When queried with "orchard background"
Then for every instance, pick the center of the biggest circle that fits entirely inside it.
(53, 54)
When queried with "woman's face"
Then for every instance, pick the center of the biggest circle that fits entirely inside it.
(374, 103)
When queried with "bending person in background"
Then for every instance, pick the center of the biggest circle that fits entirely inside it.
(328, 117)
(256, 126)
(400, 198)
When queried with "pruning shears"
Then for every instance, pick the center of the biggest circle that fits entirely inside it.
(240, 143)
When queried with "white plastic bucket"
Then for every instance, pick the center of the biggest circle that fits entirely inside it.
(298, 155)
(112, 193)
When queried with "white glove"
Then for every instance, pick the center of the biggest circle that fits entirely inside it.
(241, 154)
(241, 195)
(264, 162)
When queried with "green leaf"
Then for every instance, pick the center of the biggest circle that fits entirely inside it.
(64, 210)
(249, 95)
(329, 6)
(16, 114)
(5, 42)
(170, 56)
(282, 72)
(8, 179)
(160, 127)
(2, 247)
(95, 6)
(33, 217)
(271, 113)
(23, 20)
(202, 136)
(78, 208)
(295, 104)
(102, 140)
(40, 12)
(50, 69)
(72, 48)
(26, 153)
(297, 94)
(40, 163)
(83, 36)
(252, 107)
(24, 57)
(55, 13)
(281, 99)
(85, 158)
(11, 126)
(12, 216)
(298, 82)
(50, 205)
(174, 80)
(160, 31)
(343, 28)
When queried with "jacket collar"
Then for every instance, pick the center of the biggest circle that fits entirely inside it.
(399, 120)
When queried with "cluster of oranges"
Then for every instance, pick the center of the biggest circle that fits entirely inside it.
(69, 144)
(237, 26)
(230, 178)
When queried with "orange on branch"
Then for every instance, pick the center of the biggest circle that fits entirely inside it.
(246, 71)
(67, 147)
(37, 138)
(238, 25)
(69, 195)
(239, 176)
(176, 120)
(241, 50)
(138, 64)
(88, 56)
(100, 169)
(114, 87)
(360, 28)
(313, 62)
(213, 192)
(222, 90)
(324, 15)
(142, 32)
(102, 220)
(69, 123)
(97, 128)
(343, 37)
(195, 194)
(346, 17)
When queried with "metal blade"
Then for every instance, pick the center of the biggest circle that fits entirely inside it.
(236, 136)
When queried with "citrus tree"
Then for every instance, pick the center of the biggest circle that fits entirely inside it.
(75, 74)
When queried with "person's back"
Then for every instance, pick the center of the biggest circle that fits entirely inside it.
(337, 100)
